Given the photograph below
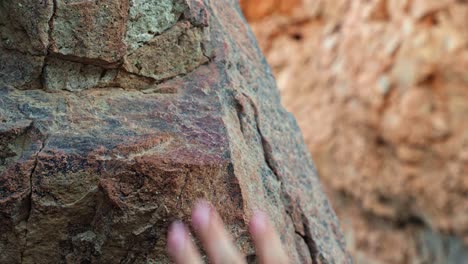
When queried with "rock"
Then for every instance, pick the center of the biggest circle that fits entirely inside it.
(150, 18)
(90, 31)
(381, 97)
(20, 69)
(178, 51)
(24, 25)
(71, 76)
(123, 132)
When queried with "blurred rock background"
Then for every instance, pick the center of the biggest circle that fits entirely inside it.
(380, 89)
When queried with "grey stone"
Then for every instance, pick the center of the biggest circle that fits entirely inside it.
(24, 25)
(178, 51)
(148, 18)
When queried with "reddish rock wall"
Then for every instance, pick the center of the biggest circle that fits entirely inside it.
(380, 90)
(117, 115)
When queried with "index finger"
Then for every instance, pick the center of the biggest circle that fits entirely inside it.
(214, 237)
(267, 243)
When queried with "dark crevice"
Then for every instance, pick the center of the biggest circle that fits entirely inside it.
(204, 50)
(87, 61)
(103, 74)
(308, 242)
(179, 197)
(266, 146)
(22, 52)
(51, 28)
(30, 200)
(251, 259)
(269, 160)
(51, 22)
(307, 236)
(42, 77)
(240, 111)
(311, 245)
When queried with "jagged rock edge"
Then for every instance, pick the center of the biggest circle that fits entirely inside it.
(269, 161)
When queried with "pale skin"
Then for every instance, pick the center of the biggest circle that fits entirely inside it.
(218, 244)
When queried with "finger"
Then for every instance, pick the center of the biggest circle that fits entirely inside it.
(267, 243)
(180, 246)
(215, 239)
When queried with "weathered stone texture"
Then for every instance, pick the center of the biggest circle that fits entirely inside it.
(89, 30)
(178, 51)
(122, 132)
(23, 41)
(24, 25)
(149, 18)
(380, 91)
(20, 69)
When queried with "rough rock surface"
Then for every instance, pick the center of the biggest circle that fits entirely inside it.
(380, 91)
(115, 116)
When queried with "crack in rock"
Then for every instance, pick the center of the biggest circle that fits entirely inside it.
(30, 200)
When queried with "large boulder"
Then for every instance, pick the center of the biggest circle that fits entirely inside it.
(380, 90)
(116, 116)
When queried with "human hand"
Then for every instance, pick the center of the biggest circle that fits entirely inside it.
(218, 244)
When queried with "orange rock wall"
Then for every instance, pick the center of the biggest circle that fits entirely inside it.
(380, 89)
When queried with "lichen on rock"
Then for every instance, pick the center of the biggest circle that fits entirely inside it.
(149, 18)
(176, 52)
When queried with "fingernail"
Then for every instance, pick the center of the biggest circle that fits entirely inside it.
(176, 238)
(201, 215)
(258, 224)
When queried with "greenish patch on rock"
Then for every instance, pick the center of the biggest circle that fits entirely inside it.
(148, 18)
(177, 51)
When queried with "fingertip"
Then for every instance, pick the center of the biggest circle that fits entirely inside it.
(201, 215)
(258, 224)
(177, 238)
(210, 228)
(267, 242)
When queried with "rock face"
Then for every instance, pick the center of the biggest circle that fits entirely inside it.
(116, 116)
(380, 91)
